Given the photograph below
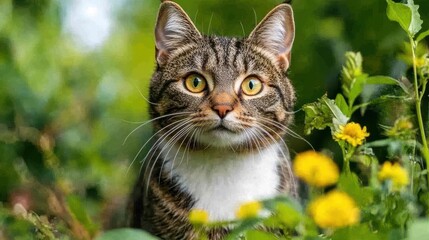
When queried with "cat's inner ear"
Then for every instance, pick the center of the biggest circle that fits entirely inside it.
(275, 33)
(173, 30)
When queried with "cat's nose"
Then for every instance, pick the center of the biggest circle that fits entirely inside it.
(222, 109)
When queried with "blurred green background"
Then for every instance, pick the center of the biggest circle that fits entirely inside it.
(74, 75)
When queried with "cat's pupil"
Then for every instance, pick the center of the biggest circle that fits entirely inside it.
(251, 84)
(196, 82)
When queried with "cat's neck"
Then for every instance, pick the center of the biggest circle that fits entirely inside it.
(219, 181)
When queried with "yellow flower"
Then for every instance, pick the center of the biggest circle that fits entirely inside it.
(421, 61)
(351, 133)
(395, 173)
(404, 124)
(248, 210)
(315, 169)
(198, 216)
(402, 129)
(333, 210)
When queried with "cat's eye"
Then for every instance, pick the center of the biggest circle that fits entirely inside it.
(251, 86)
(195, 83)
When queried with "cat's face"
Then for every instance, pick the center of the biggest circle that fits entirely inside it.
(222, 92)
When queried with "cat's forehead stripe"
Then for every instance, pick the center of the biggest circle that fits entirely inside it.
(222, 53)
(212, 45)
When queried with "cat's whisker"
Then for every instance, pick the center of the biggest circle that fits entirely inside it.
(210, 24)
(232, 148)
(133, 122)
(242, 28)
(280, 149)
(147, 141)
(248, 143)
(180, 147)
(151, 120)
(150, 166)
(288, 166)
(160, 141)
(176, 132)
(256, 17)
(287, 129)
(156, 142)
(195, 16)
(273, 139)
(294, 112)
(272, 130)
(186, 150)
(141, 94)
(155, 146)
(171, 143)
(253, 140)
(259, 139)
(278, 125)
(188, 146)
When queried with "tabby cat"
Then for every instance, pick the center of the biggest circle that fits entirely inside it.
(220, 107)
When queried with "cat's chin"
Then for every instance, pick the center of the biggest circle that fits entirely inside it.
(222, 137)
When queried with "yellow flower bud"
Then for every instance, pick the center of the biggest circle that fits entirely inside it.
(198, 217)
(334, 210)
(395, 173)
(248, 210)
(315, 169)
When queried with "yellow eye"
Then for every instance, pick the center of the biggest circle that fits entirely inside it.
(251, 86)
(195, 83)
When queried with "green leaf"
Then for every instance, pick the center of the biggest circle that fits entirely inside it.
(357, 87)
(422, 35)
(317, 116)
(79, 212)
(350, 184)
(356, 232)
(271, 204)
(321, 114)
(416, 21)
(288, 215)
(244, 226)
(259, 235)
(400, 13)
(340, 101)
(381, 80)
(339, 117)
(419, 230)
(406, 15)
(371, 90)
(126, 234)
(387, 81)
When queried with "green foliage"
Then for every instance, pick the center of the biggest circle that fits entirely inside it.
(79, 213)
(65, 111)
(422, 35)
(317, 115)
(406, 15)
(125, 234)
(419, 230)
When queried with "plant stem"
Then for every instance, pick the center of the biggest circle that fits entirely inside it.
(418, 98)
(346, 157)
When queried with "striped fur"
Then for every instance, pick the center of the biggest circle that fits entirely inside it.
(193, 140)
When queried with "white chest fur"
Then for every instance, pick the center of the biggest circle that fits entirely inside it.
(220, 181)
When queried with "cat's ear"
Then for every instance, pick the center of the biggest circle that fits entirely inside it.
(275, 33)
(173, 30)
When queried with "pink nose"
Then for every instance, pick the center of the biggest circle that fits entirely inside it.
(222, 109)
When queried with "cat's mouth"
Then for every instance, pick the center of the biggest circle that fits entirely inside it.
(224, 134)
(221, 128)
(225, 126)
